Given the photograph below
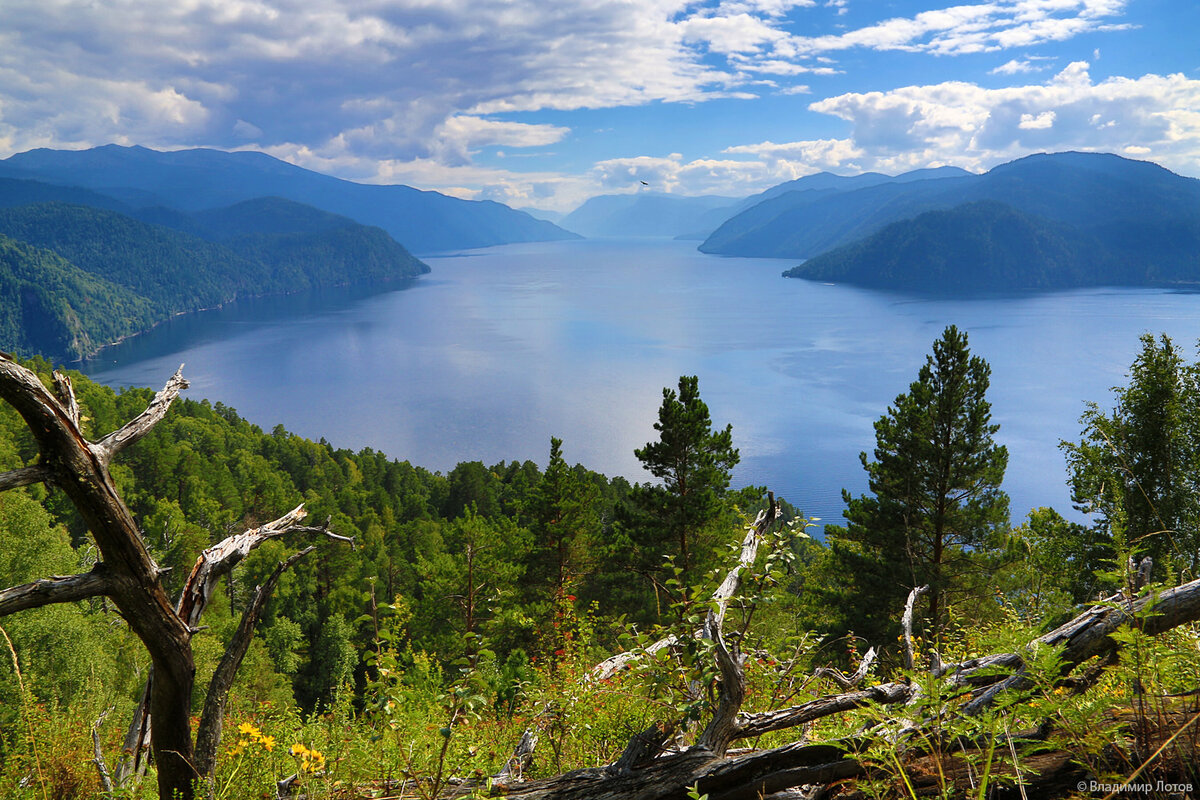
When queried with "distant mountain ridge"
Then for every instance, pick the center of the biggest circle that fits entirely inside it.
(649, 214)
(202, 179)
(1047, 221)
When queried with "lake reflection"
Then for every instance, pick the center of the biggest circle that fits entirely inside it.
(500, 349)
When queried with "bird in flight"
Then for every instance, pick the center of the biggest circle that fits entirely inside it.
(645, 184)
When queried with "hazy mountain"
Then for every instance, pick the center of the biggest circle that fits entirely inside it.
(803, 222)
(543, 213)
(1049, 221)
(18, 192)
(196, 180)
(647, 214)
(1085, 189)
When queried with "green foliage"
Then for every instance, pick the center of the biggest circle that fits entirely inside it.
(935, 510)
(687, 513)
(76, 278)
(1137, 464)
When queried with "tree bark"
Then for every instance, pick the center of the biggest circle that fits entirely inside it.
(126, 572)
(80, 469)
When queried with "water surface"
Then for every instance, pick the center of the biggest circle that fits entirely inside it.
(499, 349)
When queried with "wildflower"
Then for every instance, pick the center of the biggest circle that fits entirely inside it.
(246, 729)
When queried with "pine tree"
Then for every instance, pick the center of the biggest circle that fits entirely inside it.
(935, 502)
(693, 463)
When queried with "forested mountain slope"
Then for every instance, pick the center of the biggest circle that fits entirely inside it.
(261, 247)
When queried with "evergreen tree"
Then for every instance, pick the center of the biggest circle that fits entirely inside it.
(935, 504)
(1138, 464)
(694, 463)
(562, 511)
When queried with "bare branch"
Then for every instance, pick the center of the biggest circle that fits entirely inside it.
(66, 395)
(847, 681)
(752, 725)
(98, 754)
(721, 728)
(139, 426)
(223, 556)
(208, 735)
(518, 762)
(721, 597)
(23, 477)
(55, 589)
(907, 621)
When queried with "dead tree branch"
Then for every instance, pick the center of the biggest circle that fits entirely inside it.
(55, 589)
(208, 735)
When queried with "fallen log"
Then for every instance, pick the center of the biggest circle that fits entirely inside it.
(797, 770)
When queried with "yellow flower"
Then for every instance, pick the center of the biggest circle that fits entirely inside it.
(268, 742)
(249, 730)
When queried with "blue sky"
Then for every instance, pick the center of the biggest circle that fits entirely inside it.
(546, 102)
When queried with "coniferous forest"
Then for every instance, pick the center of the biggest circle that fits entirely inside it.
(546, 631)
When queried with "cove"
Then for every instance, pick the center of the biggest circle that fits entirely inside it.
(499, 349)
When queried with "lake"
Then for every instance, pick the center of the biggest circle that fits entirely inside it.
(499, 349)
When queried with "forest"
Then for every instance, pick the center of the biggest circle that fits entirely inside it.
(361, 627)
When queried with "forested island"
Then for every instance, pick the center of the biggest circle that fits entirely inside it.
(513, 630)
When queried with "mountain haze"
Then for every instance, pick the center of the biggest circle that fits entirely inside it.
(201, 179)
(648, 214)
(1042, 222)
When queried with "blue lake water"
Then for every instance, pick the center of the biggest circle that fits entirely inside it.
(499, 349)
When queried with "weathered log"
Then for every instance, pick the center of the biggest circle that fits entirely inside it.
(796, 770)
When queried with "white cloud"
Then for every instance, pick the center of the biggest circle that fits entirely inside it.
(1157, 116)
(1044, 120)
(1015, 67)
(411, 90)
(699, 176)
(460, 134)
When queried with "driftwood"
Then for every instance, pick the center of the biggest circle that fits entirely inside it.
(799, 770)
(126, 572)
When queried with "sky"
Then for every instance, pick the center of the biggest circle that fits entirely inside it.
(543, 103)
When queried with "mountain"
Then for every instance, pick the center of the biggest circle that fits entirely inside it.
(1085, 189)
(48, 305)
(1042, 222)
(263, 246)
(648, 214)
(202, 179)
(830, 183)
(800, 223)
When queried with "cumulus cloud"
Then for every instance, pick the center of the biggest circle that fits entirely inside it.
(973, 127)
(362, 87)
